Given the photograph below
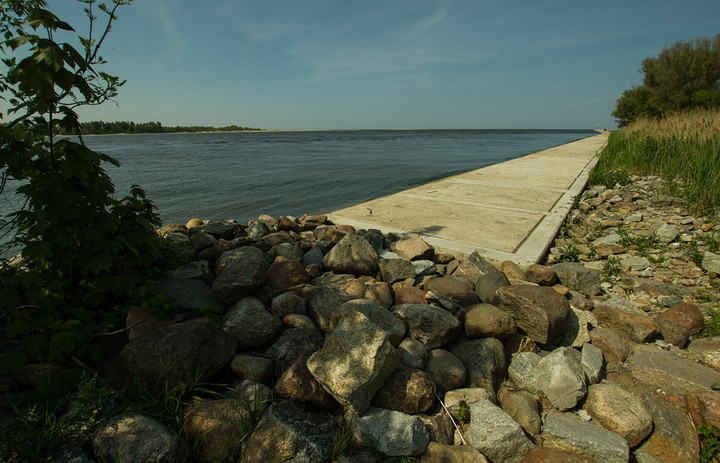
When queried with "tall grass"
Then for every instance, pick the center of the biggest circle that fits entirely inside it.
(683, 149)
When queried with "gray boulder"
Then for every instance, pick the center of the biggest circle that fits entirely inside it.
(523, 372)
(406, 390)
(355, 361)
(495, 434)
(484, 320)
(251, 323)
(393, 270)
(289, 431)
(132, 437)
(567, 431)
(540, 311)
(324, 303)
(192, 295)
(617, 410)
(484, 360)
(561, 378)
(384, 319)
(413, 353)
(352, 254)
(179, 355)
(291, 345)
(240, 272)
(388, 431)
(431, 325)
(446, 370)
(487, 285)
(578, 277)
(215, 427)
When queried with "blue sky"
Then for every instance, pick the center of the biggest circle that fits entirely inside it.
(340, 64)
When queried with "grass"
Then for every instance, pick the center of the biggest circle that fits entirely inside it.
(709, 443)
(683, 149)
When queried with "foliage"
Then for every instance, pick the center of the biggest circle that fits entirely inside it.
(711, 327)
(709, 443)
(569, 253)
(609, 178)
(683, 149)
(83, 249)
(44, 430)
(611, 269)
(100, 127)
(683, 76)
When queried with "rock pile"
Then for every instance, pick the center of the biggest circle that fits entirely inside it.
(331, 332)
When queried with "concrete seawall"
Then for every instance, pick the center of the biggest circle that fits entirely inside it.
(507, 211)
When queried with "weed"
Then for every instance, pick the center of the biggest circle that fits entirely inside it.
(42, 431)
(569, 253)
(642, 244)
(711, 327)
(341, 441)
(709, 443)
(609, 177)
(611, 269)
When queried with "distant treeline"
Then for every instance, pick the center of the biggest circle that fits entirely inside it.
(100, 127)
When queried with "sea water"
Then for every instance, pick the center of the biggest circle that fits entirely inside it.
(239, 176)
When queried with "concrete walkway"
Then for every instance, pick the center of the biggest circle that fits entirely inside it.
(508, 211)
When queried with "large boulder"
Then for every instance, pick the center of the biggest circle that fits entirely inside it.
(568, 432)
(454, 288)
(215, 427)
(132, 437)
(619, 411)
(484, 360)
(324, 303)
(352, 254)
(389, 431)
(631, 326)
(288, 430)
(191, 295)
(561, 378)
(429, 324)
(486, 320)
(291, 345)
(251, 323)
(355, 361)
(384, 319)
(179, 355)
(680, 322)
(496, 434)
(540, 311)
(474, 267)
(406, 390)
(578, 277)
(240, 272)
(446, 370)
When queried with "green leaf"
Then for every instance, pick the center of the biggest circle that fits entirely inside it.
(12, 362)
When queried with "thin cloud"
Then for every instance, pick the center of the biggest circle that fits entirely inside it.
(423, 26)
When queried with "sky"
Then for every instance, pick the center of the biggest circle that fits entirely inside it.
(384, 64)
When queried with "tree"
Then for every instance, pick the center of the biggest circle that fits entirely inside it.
(83, 250)
(683, 76)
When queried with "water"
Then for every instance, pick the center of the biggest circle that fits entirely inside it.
(241, 175)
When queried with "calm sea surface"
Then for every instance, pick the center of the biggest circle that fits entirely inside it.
(241, 175)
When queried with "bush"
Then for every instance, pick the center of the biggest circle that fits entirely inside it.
(83, 250)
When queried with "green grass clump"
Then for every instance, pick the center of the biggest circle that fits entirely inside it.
(709, 443)
(683, 149)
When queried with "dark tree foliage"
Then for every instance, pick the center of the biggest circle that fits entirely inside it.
(85, 251)
(101, 127)
(683, 76)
